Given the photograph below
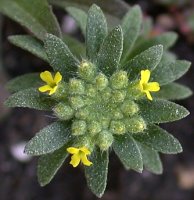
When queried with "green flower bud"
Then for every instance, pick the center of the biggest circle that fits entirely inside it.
(76, 102)
(94, 127)
(106, 94)
(135, 124)
(129, 108)
(87, 70)
(101, 81)
(118, 96)
(105, 122)
(61, 92)
(90, 90)
(82, 113)
(119, 80)
(117, 127)
(78, 127)
(104, 140)
(84, 141)
(63, 111)
(76, 86)
(117, 114)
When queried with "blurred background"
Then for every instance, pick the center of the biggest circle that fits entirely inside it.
(18, 179)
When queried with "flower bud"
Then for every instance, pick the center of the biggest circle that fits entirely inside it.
(117, 127)
(87, 70)
(90, 90)
(106, 94)
(104, 140)
(78, 127)
(105, 122)
(135, 124)
(129, 108)
(119, 80)
(118, 96)
(76, 102)
(61, 92)
(76, 86)
(82, 113)
(63, 111)
(94, 127)
(101, 81)
(117, 114)
(84, 141)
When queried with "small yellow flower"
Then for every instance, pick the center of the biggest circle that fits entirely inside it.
(148, 87)
(79, 154)
(51, 83)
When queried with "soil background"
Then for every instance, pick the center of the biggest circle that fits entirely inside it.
(18, 179)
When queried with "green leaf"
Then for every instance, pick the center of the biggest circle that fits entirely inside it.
(49, 164)
(96, 174)
(168, 72)
(173, 91)
(31, 80)
(30, 98)
(32, 14)
(166, 40)
(158, 139)
(30, 44)
(161, 111)
(96, 31)
(80, 17)
(131, 25)
(60, 57)
(110, 53)
(148, 59)
(151, 159)
(118, 7)
(49, 139)
(147, 26)
(76, 47)
(128, 152)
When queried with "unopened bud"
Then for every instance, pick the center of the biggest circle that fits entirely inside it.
(77, 102)
(117, 127)
(118, 96)
(63, 111)
(106, 94)
(129, 108)
(117, 114)
(90, 90)
(76, 86)
(82, 113)
(78, 127)
(119, 80)
(94, 127)
(101, 81)
(104, 140)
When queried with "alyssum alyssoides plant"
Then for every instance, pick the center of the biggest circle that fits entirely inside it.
(104, 102)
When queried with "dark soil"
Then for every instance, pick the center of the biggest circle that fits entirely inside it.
(18, 180)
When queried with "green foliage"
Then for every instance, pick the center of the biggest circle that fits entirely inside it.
(32, 14)
(96, 175)
(101, 102)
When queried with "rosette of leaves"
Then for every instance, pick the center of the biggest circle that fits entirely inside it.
(98, 103)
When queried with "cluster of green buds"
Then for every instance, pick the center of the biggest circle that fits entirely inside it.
(108, 101)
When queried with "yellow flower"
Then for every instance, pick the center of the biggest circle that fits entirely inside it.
(79, 154)
(148, 87)
(51, 83)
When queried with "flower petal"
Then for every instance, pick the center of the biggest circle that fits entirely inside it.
(45, 88)
(153, 86)
(72, 150)
(57, 78)
(85, 160)
(53, 90)
(75, 160)
(85, 151)
(148, 95)
(145, 76)
(46, 76)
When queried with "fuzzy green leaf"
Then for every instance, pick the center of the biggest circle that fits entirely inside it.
(96, 31)
(151, 159)
(131, 25)
(96, 174)
(30, 98)
(173, 91)
(60, 57)
(49, 164)
(128, 152)
(31, 80)
(32, 14)
(80, 17)
(110, 53)
(148, 59)
(166, 40)
(147, 26)
(29, 44)
(168, 72)
(159, 140)
(161, 111)
(49, 139)
(76, 47)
